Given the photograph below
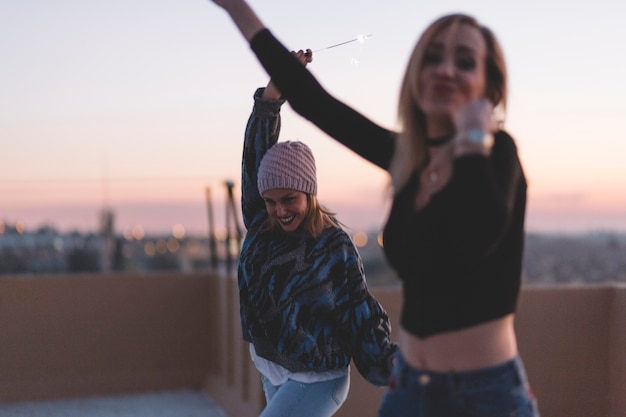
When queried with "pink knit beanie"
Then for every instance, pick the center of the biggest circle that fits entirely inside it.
(289, 165)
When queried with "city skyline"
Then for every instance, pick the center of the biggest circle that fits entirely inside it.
(139, 107)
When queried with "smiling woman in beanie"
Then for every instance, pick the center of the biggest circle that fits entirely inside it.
(305, 307)
(287, 181)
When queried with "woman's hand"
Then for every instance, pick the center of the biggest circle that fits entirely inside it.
(303, 56)
(475, 125)
(475, 114)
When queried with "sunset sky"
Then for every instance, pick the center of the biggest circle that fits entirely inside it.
(140, 105)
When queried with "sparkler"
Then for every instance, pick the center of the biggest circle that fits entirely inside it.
(359, 38)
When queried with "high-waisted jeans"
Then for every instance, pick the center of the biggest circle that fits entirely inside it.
(316, 399)
(497, 391)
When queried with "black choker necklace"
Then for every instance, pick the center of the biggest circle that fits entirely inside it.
(442, 140)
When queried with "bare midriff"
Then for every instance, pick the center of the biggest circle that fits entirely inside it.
(476, 347)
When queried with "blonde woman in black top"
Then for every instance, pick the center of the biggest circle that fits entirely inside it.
(455, 233)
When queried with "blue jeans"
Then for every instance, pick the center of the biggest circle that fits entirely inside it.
(498, 391)
(317, 399)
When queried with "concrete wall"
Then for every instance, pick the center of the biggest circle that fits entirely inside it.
(81, 335)
(564, 338)
(233, 381)
(617, 353)
(572, 340)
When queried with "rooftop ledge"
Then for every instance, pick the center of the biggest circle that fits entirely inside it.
(134, 340)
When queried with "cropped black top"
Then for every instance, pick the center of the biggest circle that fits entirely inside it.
(460, 256)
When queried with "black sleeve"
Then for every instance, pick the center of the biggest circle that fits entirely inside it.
(481, 198)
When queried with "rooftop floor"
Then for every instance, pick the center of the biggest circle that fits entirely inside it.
(182, 403)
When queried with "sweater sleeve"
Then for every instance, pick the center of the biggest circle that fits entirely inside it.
(309, 99)
(371, 346)
(262, 131)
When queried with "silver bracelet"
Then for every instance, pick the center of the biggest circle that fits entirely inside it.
(475, 135)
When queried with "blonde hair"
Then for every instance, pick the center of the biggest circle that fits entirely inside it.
(317, 218)
(411, 153)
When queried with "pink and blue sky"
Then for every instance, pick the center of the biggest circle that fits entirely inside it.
(141, 105)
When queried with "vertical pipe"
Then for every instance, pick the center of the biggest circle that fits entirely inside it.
(212, 239)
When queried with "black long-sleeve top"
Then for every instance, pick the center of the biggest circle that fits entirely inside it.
(460, 256)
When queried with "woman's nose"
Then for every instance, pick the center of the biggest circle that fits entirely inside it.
(446, 67)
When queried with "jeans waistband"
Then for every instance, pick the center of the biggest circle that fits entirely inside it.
(508, 372)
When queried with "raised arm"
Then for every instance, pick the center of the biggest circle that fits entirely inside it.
(306, 95)
(262, 132)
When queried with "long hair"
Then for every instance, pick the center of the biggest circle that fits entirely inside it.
(411, 152)
(317, 218)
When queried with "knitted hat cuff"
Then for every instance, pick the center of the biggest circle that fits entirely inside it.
(290, 183)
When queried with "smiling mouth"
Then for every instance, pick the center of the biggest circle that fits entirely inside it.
(286, 220)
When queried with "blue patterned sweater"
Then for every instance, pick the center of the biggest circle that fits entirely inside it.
(304, 302)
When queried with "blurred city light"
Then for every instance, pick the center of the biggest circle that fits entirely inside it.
(178, 231)
(138, 232)
(149, 249)
(360, 239)
(173, 245)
